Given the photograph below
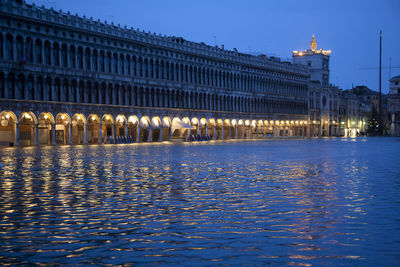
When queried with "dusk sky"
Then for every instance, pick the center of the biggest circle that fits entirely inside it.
(349, 28)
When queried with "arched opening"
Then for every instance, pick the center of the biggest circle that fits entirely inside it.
(27, 129)
(144, 129)
(133, 124)
(62, 129)
(234, 129)
(203, 127)
(196, 127)
(8, 123)
(219, 132)
(45, 129)
(211, 129)
(93, 128)
(78, 129)
(120, 125)
(165, 130)
(227, 130)
(241, 129)
(107, 129)
(247, 129)
(156, 129)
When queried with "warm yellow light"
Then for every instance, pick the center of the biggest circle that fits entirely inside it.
(133, 120)
(45, 117)
(93, 118)
(314, 122)
(247, 123)
(326, 121)
(107, 117)
(342, 122)
(297, 122)
(27, 116)
(62, 117)
(7, 116)
(334, 122)
(353, 122)
(79, 118)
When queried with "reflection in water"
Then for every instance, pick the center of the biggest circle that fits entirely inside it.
(306, 203)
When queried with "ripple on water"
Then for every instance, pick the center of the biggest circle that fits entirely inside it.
(308, 202)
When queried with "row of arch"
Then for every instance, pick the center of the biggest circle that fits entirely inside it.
(29, 128)
(38, 51)
(19, 86)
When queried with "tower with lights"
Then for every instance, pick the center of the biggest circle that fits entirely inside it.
(317, 61)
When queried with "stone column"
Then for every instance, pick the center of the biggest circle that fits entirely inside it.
(36, 134)
(236, 132)
(100, 133)
(314, 129)
(53, 126)
(138, 134)
(17, 134)
(222, 134)
(229, 132)
(149, 137)
(86, 134)
(215, 132)
(70, 133)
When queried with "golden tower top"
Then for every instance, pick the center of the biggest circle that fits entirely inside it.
(313, 44)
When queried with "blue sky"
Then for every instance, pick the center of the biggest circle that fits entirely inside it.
(349, 28)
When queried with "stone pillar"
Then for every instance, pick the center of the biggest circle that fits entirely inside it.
(206, 129)
(222, 134)
(149, 137)
(215, 132)
(100, 133)
(236, 132)
(53, 126)
(138, 134)
(17, 134)
(314, 128)
(86, 134)
(70, 133)
(36, 134)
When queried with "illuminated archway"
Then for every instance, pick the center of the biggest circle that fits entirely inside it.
(45, 128)
(27, 134)
(107, 129)
(93, 128)
(78, 129)
(63, 122)
(8, 130)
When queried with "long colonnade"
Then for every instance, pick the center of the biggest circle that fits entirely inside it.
(28, 128)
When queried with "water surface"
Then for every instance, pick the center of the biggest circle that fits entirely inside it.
(291, 202)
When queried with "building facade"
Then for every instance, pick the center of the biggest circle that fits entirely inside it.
(66, 79)
(323, 97)
(393, 106)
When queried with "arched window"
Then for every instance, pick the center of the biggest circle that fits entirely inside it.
(47, 53)
(56, 54)
(38, 51)
(87, 59)
(121, 65)
(80, 57)
(102, 61)
(128, 65)
(72, 53)
(64, 55)
(115, 63)
(9, 47)
(108, 62)
(20, 48)
(94, 60)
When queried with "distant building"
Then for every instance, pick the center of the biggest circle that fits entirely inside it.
(393, 106)
(323, 97)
